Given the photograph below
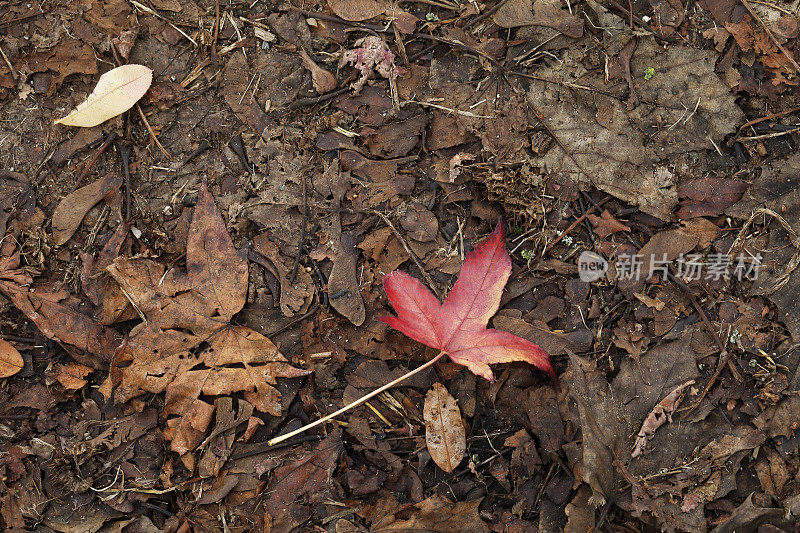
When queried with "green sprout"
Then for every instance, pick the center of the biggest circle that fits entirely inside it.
(431, 17)
(526, 254)
(649, 72)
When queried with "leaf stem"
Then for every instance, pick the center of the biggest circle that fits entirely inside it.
(356, 403)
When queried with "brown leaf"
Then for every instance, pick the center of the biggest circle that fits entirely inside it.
(357, 10)
(187, 347)
(708, 196)
(294, 297)
(100, 288)
(10, 360)
(71, 210)
(64, 325)
(444, 429)
(71, 375)
(309, 476)
(436, 515)
(538, 13)
(606, 224)
(324, 81)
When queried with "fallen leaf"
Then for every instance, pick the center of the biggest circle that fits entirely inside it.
(187, 345)
(310, 476)
(660, 414)
(435, 515)
(71, 210)
(71, 375)
(83, 338)
(117, 91)
(357, 10)
(457, 327)
(324, 81)
(444, 429)
(538, 13)
(10, 360)
(606, 224)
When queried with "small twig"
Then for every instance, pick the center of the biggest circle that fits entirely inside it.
(767, 135)
(769, 117)
(152, 133)
(216, 28)
(302, 233)
(485, 14)
(355, 403)
(408, 250)
(125, 154)
(111, 137)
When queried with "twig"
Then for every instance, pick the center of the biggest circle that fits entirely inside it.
(355, 403)
(485, 14)
(302, 233)
(216, 28)
(111, 137)
(152, 133)
(409, 252)
(125, 154)
(769, 117)
(314, 100)
(767, 135)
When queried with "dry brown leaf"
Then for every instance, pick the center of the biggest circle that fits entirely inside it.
(444, 430)
(436, 515)
(71, 210)
(357, 10)
(117, 91)
(10, 360)
(188, 347)
(71, 375)
(324, 81)
(82, 337)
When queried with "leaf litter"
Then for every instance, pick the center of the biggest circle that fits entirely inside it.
(657, 128)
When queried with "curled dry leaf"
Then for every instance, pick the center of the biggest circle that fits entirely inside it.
(187, 347)
(10, 360)
(324, 81)
(117, 91)
(444, 430)
(457, 327)
(357, 10)
(661, 414)
(71, 210)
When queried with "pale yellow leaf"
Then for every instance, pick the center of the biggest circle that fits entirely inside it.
(444, 429)
(117, 91)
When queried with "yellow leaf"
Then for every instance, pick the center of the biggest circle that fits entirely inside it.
(10, 360)
(116, 92)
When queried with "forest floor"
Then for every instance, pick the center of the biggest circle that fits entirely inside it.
(204, 272)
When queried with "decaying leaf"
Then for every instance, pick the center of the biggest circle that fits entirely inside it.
(187, 346)
(444, 429)
(117, 91)
(370, 55)
(10, 360)
(308, 478)
(70, 211)
(71, 375)
(661, 414)
(436, 515)
(457, 327)
(357, 10)
(323, 80)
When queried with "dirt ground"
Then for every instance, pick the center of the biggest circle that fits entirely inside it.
(204, 272)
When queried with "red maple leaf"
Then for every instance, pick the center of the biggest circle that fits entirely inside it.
(457, 327)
